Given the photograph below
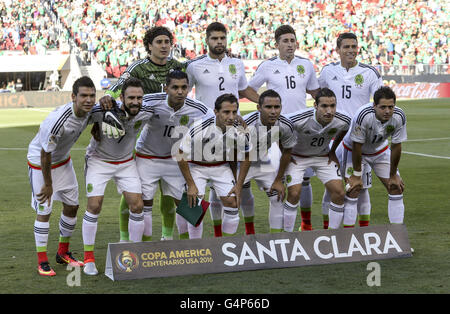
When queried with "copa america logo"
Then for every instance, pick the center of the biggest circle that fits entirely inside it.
(127, 261)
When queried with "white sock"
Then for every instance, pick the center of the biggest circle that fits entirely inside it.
(289, 216)
(195, 232)
(336, 213)
(136, 226)
(247, 202)
(67, 225)
(396, 209)
(364, 206)
(89, 228)
(182, 224)
(230, 220)
(326, 202)
(41, 233)
(306, 196)
(350, 211)
(275, 213)
(147, 220)
(215, 206)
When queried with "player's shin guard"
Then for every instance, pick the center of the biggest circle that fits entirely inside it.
(350, 212)
(215, 208)
(147, 236)
(167, 206)
(136, 226)
(396, 209)
(336, 213)
(230, 221)
(289, 216)
(182, 226)
(124, 216)
(275, 214)
(41, 230)
(364, 208)
(66, 228)
(306, 198)
(89, 231)
(325, 208)
(248, 209)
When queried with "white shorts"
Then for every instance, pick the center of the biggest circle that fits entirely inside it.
(380, 163)
(221, 178)
(263, 179)
(98, 173)
(324, 171)
(64, 184)
(152, 170)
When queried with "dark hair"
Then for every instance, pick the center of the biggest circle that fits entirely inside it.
(384, 92)
(176, 74)
(154, 32)
(225, 97)
(133, 82)
(215, 27)
(324, 92)
(268, 93)
(84, 81)
(284, 29)
(343, 36)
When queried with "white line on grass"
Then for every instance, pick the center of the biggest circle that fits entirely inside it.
(426, 155)
(428, 139)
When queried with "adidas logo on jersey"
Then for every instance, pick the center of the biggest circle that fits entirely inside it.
(152, 77)
(276, 72)
(206, 71)
(334, 78)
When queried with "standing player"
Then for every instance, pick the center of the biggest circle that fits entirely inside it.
(215, 74)
(367, 143)
(315, 129)
(156, 142)
(51, 172)
(152, 71)
(204, 156)
(292, 77)
(112, 158)
(353, 83)
(267, 126)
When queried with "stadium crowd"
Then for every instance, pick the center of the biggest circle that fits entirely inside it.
(390, 32)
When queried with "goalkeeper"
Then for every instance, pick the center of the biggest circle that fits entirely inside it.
(152, 71)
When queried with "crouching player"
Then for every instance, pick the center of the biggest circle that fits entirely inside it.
(315, 128)
(367, 143)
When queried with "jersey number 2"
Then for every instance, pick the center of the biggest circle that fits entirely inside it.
(221, 79)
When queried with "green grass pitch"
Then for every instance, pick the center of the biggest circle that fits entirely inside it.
(425, 167)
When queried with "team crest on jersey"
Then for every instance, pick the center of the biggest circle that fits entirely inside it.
(137, 125)
(332, 131)
(184, 120)
(90, 187)
(301, 70)
(390, 129)
(232, 69)
(288, 178)
(359, 80)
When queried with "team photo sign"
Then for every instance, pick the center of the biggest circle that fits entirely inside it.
(260, 251)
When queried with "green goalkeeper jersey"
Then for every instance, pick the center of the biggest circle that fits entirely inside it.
(152, 75)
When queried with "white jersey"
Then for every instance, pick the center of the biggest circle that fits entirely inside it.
(283, 134)
(159, 134)
(213, 78)
(57, 134)
(121, 149)
(368, 130)
(290, 80)
(206, 143)
(353, 88)
(313, 139)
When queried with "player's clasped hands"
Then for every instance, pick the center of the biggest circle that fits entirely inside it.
(354, 185)
(395, 183)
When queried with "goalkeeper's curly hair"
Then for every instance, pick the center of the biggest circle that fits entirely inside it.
(154, 32)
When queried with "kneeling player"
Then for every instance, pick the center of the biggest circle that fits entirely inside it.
(315, 129)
